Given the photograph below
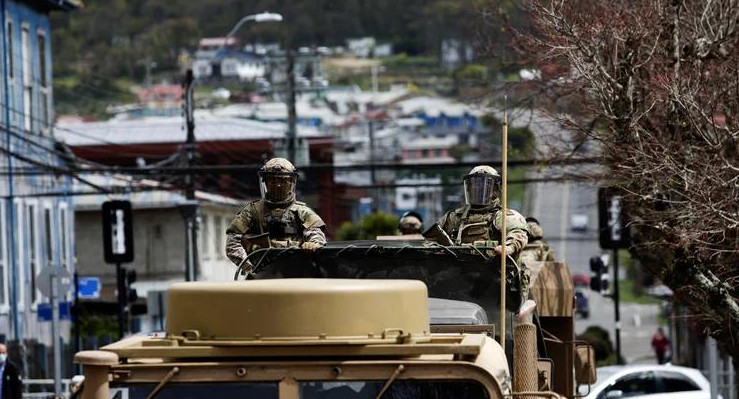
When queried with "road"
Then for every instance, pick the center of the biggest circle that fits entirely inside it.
(554, 204)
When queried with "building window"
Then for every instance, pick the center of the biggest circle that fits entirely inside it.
(44, 108)
(48, 235)
(4, 278)
(219, 233)
(33, 249)
(27, 77)
(206, 237)
(21, 279)
(11, 70)
(64, 242)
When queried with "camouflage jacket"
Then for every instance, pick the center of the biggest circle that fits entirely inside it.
(467, 225)
(537, 251)
(287, 226)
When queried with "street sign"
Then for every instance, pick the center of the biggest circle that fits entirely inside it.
(43, 311)
(88, 288)
(117, 232)
(43, 280)
(612, 220)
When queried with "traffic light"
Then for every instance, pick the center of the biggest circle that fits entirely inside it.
(126, 294)
(598, 274)
(131, 294)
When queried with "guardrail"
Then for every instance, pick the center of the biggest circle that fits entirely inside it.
(44, 388)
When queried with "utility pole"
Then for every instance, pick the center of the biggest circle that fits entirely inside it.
(373, 174)
(616, 306)
(292, 116)
(189, 208)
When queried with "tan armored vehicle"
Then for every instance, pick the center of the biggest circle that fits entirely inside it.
(352, 320)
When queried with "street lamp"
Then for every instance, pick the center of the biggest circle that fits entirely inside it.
(261, 17)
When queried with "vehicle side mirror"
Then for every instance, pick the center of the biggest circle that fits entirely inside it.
(614, 394)
(584, 363)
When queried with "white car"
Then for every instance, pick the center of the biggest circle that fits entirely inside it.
(648, 381)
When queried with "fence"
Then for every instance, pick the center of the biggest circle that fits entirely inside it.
(44, 388)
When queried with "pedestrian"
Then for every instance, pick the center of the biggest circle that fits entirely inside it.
(10, 383)
(277, 216)
(660, 344)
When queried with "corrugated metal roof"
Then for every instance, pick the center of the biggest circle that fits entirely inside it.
(171, 130)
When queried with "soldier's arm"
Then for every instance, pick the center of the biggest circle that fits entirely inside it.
(312, 229)
(517, 232)
(238, 227)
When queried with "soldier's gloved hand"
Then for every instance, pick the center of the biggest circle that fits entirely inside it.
(311, 246)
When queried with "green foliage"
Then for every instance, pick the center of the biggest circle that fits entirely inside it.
(599, 338)
(98, 326)
(471, 71)
(521, 140)
(371, 226)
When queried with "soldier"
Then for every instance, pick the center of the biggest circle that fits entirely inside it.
(286, 221)
(411, 223)
(480, 218)
(537, 249)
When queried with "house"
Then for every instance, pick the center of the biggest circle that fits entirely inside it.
(237, 145)
(36, 223)
(161, 100)
(230, 64)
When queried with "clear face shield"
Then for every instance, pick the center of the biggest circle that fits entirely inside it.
(480, 188)
(277, 186)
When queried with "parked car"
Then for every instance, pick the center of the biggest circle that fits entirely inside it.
(581, 280)
(579, 223)
(648, 381)
(582, 304)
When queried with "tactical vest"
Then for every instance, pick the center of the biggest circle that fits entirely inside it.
(474, 226)
(282, 224)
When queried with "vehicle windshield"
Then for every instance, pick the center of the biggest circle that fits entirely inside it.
(399, 389)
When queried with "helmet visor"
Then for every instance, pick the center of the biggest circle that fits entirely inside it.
(278, 186)
(479, 189)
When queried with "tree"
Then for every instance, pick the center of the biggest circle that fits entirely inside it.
(371, 226)
(656, 85)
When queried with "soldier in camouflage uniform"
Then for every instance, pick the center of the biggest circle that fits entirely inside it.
(411, 223)
(537, 250)
(287, 222)
(480, 219)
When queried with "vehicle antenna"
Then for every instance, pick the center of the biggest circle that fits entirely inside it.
(503, 227)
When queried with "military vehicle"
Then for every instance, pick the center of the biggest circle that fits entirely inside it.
(370, 319)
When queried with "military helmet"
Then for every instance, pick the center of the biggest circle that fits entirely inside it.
(410, 223)
(481, 185)
(535, 230)
(278, 178)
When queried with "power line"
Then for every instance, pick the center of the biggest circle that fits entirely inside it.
(52, 168)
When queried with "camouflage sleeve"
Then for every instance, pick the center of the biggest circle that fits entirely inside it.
(238, 227)
(516, 232)
(234, 250)
(312, 223)
(314, 234)
(309, 218)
